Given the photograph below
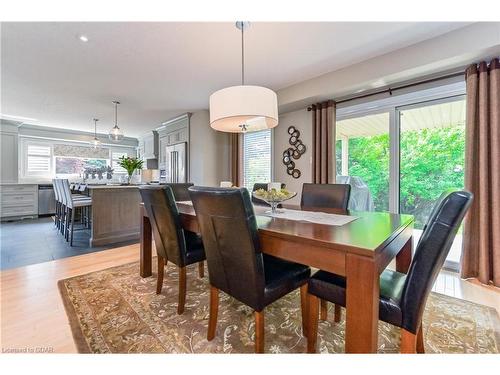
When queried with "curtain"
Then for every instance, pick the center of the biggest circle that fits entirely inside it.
(481, 251)
(323, 131)
(235, 158)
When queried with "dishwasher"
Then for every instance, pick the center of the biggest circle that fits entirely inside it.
(46, 200)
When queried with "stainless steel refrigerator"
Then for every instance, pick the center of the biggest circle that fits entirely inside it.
(176, 163)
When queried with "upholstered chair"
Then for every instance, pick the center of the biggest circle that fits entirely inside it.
(180, 191)
(236, 264)
(402, 296)
(318, 197)
(173, 244)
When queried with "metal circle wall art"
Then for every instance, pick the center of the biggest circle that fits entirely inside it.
(295, 152)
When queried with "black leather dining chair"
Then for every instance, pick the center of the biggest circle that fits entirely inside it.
(317, 197)
(402, 296)
(260, 185)
(236, 264)
(180, 191)
(172, 242)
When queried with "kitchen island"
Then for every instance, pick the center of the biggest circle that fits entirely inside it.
(115, 214)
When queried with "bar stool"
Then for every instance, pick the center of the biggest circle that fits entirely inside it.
(57, 215)
(71, 204)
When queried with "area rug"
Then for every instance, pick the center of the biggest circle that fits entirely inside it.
(117, 311)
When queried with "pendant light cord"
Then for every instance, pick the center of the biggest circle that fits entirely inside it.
(95, 128)
(242, 56)
(116, 114)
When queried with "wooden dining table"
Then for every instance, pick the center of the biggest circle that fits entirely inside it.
(359, 250)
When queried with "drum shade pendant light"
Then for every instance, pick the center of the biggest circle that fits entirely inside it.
(95, 143)
(115, 134)
(239, 109)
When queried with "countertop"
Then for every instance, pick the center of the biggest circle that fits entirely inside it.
(93, 187)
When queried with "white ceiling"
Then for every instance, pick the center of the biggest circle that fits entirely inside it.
(160, 70)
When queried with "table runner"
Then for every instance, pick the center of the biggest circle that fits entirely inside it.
(312, 217)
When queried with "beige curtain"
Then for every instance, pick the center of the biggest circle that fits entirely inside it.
(481, 252)
(235, 157)
(323, 147)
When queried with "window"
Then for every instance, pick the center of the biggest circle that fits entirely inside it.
(256, 158)
(68, 165)
(115, 156)
(38, 159)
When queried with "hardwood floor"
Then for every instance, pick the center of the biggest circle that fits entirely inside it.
(33, 314)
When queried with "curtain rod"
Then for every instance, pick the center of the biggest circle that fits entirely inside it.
(390, 90)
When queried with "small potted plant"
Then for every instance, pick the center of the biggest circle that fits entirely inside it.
(130, 164)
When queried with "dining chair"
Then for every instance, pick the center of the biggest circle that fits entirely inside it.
(402, 296)
(172, 242)
(236, 264)
(261, 185)
(316, 197)
(180, 191)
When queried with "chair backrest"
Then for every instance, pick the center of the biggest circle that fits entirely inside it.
(230, 238)
(180, 191)
(56, 189)
(66, 192)
(261, 185)
(431, 253)
(316, 196)
(164, 217)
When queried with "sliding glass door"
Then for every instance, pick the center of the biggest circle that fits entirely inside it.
(362, 149)
(432, 152)
(401, 158)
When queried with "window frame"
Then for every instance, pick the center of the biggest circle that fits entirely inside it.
(25, 157)
(242, 156)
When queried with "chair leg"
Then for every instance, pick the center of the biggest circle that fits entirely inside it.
(72, 226)
(323, 309)
(161, 273)
(201, 269)
(408, 342)
(214, 310)
(337, 314)
(182, 290)
(420, 340)
(313, 307)
(259, 331)
(303, 307)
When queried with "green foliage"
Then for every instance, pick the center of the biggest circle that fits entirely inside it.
(431, 162)
(130, 164)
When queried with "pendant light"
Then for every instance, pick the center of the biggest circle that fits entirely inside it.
(115, 134)
(95, 143)
(243, 108)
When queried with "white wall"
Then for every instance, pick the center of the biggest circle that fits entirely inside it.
(301, 120)
(209, 152)
(450, 51)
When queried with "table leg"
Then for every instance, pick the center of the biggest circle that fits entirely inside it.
(146, 244)
(362, 302)
(403, 259)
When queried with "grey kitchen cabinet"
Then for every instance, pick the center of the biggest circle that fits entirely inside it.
(8, 156)
(18, 200)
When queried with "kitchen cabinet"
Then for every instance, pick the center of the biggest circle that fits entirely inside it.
(18, 200)
(9, 155)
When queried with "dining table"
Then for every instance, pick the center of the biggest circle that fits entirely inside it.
(359, 251)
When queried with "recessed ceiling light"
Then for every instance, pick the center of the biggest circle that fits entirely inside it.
(83, 38)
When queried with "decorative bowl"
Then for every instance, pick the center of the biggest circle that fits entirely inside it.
(273, 197)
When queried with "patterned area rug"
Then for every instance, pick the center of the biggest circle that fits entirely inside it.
(117, 311)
